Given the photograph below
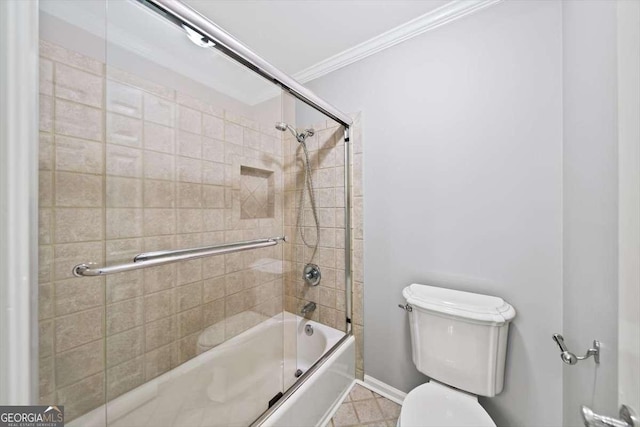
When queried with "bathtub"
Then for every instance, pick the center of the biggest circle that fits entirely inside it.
(232, 383)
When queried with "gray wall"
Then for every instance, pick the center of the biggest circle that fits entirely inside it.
(463, 177)
(590, 299)
(491, 166)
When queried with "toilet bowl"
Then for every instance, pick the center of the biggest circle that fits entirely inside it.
(437, 405)
(459, 340)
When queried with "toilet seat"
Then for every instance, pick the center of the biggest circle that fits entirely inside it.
(436, 405)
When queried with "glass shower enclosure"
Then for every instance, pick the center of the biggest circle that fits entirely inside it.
(167, 292)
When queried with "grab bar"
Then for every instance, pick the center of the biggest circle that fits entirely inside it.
(152, 259)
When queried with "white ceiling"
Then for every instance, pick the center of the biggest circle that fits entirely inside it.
(292, 34)
(296, 34)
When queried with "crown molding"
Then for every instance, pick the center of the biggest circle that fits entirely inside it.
(447, 13)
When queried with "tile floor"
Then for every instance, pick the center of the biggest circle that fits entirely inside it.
(363, 407)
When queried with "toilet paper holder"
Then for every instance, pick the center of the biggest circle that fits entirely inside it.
(571, 359)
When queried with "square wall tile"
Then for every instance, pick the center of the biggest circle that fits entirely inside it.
(212, 127)
(189, 120)
(79, 328)
(78, 363)
(78, 86)
(75, 295)
(77, 155)
(124, 99)
(124, 223)
(124, 130)
(159, 166)
(124, 161)
(124, 192)
(78, 120)
(78, 225)
(159, 194)
(159, 138)
(159, 110)
(78, 190)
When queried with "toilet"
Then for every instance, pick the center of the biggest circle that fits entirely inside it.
(458, 340)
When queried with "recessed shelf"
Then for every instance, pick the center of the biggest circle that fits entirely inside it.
(257, 198)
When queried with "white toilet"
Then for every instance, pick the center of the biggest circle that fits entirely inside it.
(459, 340)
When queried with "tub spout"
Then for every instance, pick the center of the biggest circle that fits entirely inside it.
(308, 308)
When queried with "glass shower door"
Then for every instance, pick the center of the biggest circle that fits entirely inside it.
(71, 208)
(153, 141)
(154, 144)
(192, 160)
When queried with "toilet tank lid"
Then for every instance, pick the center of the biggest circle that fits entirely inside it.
(467, 305)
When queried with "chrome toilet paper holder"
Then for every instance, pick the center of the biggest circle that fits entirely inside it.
(571, 359)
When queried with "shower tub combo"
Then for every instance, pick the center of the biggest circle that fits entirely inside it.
(253, 331)
(232, 383)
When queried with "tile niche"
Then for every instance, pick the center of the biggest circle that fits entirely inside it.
(257, 195)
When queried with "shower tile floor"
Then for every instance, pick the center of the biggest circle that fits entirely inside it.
(363, 407)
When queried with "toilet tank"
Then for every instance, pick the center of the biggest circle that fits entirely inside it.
(459, 338)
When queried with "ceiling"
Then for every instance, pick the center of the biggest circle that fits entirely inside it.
(296, 34)
(293, 35)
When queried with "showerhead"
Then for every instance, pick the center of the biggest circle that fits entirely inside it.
(300, 137)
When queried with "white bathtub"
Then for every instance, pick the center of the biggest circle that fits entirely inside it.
(232, 384)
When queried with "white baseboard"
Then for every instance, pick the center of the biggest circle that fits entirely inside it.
(383, 389)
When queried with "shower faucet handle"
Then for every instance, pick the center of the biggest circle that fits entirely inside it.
(312, 274)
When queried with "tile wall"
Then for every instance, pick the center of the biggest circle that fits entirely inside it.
(128, 166)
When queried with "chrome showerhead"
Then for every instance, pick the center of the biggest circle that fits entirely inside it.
(300, 137)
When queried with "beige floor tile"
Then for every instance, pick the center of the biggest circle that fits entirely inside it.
(360, 393)
(367, 410)
(345, 416)
(389, 409)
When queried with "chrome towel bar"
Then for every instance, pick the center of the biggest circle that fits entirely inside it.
(152, 259)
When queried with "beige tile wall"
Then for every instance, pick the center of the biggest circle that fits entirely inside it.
(128, 166)
(358, 243)
(326, 153)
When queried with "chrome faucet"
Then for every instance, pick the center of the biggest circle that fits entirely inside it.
(308, 308)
